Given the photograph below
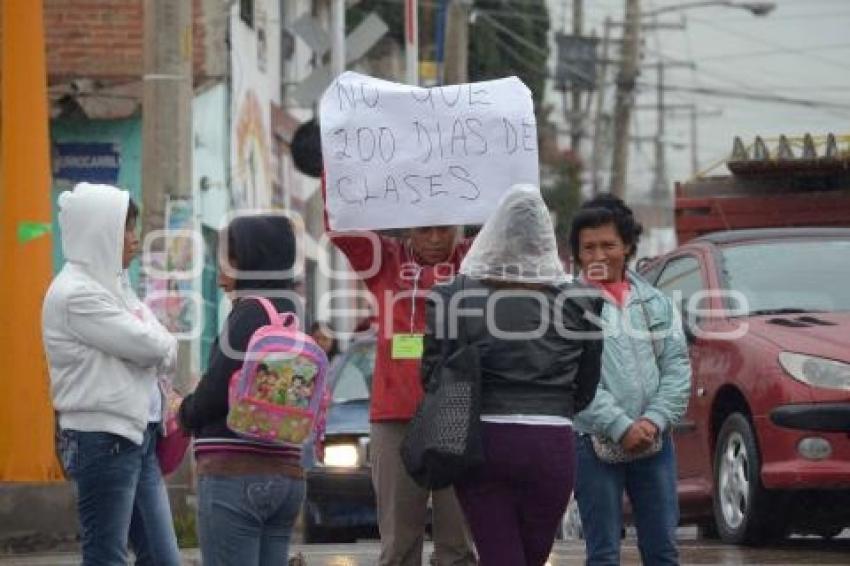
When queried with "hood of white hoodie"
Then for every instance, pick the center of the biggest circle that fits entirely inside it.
(91, 222)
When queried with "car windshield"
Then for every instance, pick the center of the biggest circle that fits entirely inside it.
(790, 276)
(354, 376)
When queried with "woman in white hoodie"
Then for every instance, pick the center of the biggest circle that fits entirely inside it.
(105, 351)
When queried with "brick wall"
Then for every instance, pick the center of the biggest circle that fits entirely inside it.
(102, 39)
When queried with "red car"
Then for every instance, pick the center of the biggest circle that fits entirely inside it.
(764, 448)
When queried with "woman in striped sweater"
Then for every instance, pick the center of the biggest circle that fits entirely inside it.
(249, 494)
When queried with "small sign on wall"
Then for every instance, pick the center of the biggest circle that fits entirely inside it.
(86, 161)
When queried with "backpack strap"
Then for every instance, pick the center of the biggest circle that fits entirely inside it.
(271, 311)
(287, 319)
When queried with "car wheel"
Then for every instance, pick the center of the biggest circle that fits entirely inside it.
(743, 512)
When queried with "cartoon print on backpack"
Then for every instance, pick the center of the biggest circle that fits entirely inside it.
(266, 382)
(285, 382)
(277, 396)
(301, 389)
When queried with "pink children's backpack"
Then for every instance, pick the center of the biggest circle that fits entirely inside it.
(279, 394)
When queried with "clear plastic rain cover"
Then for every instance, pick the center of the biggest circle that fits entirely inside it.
(517, 243)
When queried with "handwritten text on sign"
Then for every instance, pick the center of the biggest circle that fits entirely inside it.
(397, 156)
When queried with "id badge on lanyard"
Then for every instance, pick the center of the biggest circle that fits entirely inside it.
(409, 346)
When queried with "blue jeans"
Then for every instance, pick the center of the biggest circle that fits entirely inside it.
(120, 496)
(247, 520)
(651, 486)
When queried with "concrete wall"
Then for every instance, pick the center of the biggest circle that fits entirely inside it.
(209, 156)
(37, 517)
(43, 517)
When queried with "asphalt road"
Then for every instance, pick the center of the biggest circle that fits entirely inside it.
(798, 551)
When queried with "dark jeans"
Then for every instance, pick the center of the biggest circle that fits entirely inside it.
(514, 503)
(651, 486)
(247, 520)
(120, 495)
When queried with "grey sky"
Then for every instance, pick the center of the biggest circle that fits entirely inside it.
(801, 50)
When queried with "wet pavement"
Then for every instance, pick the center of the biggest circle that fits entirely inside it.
(798, 551)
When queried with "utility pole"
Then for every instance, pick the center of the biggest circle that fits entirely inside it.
(576, 118)
(693, 115)
(456, 67)
(411, 41)
(659, 183)
(626, 79)
(337, 28)
(167, 123)
(598, 121)
(694, 138)
(337, 37)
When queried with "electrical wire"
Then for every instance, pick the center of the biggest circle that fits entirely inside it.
(770, 95)
(816, 104)
(526, 43)
(788, 50)
(795, 17)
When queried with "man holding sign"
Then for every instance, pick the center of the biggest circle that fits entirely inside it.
(400, 273)
(428, 161)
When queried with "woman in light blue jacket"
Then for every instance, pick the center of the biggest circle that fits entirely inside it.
(624, 441)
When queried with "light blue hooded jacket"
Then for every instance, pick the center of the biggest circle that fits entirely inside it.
(635, 382)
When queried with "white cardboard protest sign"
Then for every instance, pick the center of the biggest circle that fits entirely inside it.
(397, 156)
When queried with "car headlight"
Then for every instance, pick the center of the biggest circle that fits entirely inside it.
(818, 372)
(341, 455)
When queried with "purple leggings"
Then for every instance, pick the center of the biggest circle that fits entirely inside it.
(514, 503)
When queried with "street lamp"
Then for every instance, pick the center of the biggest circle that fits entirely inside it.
(756, 8)
(627, 76)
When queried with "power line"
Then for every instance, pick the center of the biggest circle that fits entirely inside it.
(811, 87)
(529, 45)
(795, 17)
(770, 52)
(818, 104)
(763, 94)
(789, 50)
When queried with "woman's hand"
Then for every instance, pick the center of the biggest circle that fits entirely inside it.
(648, 426)
(639, 437)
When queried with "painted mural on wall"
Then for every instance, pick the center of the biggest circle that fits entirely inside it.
(256, 87)
(251, 140)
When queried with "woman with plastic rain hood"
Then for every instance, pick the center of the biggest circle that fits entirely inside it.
(539, 357)
(105, 350)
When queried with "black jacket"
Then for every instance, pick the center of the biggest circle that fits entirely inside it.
(258, 244)
(546, 374)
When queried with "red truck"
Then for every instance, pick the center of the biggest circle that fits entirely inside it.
(762, 280)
